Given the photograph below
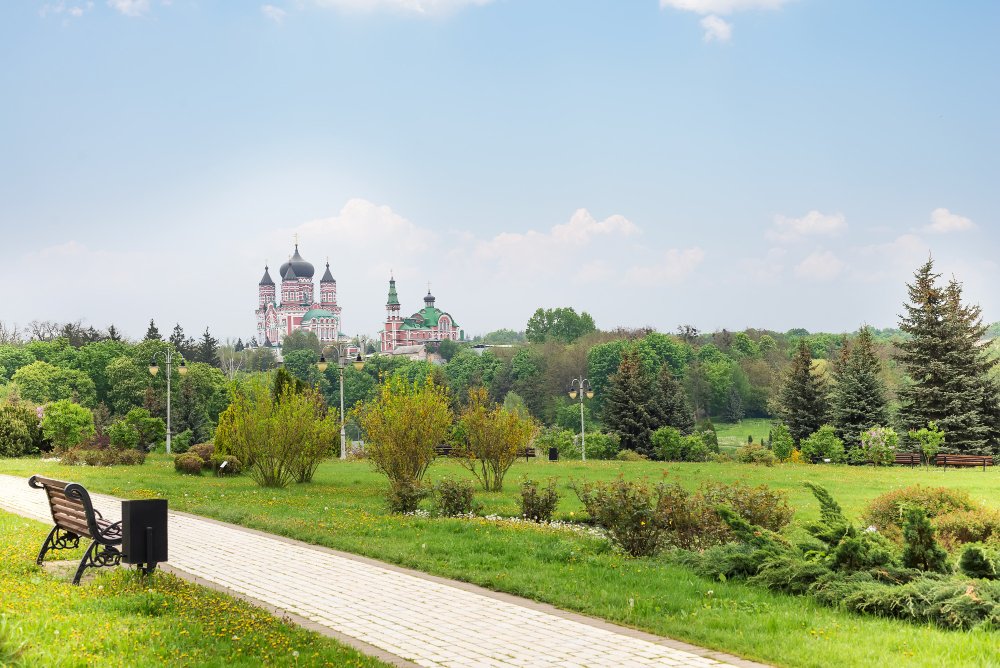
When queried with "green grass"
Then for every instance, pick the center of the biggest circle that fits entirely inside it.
(121, 619)
(344, 509)
(735, 433)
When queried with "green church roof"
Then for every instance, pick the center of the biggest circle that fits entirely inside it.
(316, 313)
(426, 318)
(393, 299)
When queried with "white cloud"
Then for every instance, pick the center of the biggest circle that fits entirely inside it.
(764, 271)
(418, 6)
(716, 28)
(820, 267)
(76, 11)
(130, 7)
(944, 221)
(813, 223)
(50, 9)
(676, 266)
(721, 6)
(276, 14)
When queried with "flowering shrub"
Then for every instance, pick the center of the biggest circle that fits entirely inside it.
(879, 445)
(538, 506)
(887, 513)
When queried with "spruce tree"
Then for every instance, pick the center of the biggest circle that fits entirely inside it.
(183, 344)
(949, 372)
(152, 334)
(208, 349)
(803, 396)
(114, 334)
(859, 400)
(734, 406)
(920, 548)
(670, 406)
(627, 409)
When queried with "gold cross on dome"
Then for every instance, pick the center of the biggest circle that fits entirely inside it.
(296, 239)
(428, 287)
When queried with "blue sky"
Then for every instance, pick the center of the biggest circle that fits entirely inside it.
(722, 163)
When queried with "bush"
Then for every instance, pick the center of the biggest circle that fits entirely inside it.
(560, 439)
(976, 563)
(226, 465)
(494, 437)
(673, 447)
(628, 512)
(15, 437)
(106, 457)
(879, 445)
(630, 456)
(707, 431)
(601, 446)
(189, 463)
(781, 442)
(454, 497)
(967, 526)
(887, 513)
(67, 424)
(823, 444)
(920, 549)
(122, 436)
(538, 506)
(404, 496)
(204, 450)
(402, 424)
(754, 453)
(151, 430)
(181, 443)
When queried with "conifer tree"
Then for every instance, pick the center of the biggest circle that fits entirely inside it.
(859, 400)
(734, 406)
(920, 548)
(803, 396)
(670, 406)
(208, 349)
(627, 408)
(114, 334)
(183, 344)
(949, 371)
(152, 334)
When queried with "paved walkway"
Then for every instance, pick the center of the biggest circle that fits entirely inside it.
(413, 618)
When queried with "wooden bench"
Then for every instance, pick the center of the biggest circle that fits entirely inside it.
(446, 449)
(75, 518)
(906, 458)
(964, 460)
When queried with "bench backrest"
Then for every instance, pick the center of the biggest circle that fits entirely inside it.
(71, 509)
(962, 459)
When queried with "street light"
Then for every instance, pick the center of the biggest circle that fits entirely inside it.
(341, 350)
(168, 357)
(583, 385)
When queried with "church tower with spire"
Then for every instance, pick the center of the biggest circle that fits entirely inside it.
(428, 325)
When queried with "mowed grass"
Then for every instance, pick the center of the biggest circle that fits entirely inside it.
(344, 509)
(121, 619)
(732, 434)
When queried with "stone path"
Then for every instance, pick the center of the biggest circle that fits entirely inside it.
(411, 617)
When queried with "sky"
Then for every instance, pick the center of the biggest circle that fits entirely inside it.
(718, 163)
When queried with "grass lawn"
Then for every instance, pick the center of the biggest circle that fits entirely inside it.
(343, 509)
(732, 434)
(121, 619)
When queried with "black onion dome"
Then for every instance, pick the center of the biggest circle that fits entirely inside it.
(302, 268)
(289, 273)
(429, 299)
(327, 277)
(267, 278)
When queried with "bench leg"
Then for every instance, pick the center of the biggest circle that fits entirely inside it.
(97, 556)
(58, 539)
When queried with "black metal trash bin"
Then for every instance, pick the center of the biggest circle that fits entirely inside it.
(144, 532)
(553, 454)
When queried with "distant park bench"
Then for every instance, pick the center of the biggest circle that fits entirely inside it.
(75, 517)
(445, 450)
(910, 459)
(964, 460)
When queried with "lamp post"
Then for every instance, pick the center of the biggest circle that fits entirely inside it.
(168, 358)
(341, 350)
(583, 385)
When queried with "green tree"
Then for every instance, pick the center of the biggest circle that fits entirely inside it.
(183, 344)
(40, 382)
(744, 346)
(859, 399)
(766, 344)
(949, 371)
(930, 439)
(627, 408)
(494, 437)
(561, 324)
(823, 444)
(920, 548)
(261, 359)
(448, 349)
(128, 382)
(803, 396)
(16, 431)
(301, 340)
(208, 349)
(734, 406)
(302, 364)
(781, 443)
(670, 406)
(152, 333)
(67, 424)
(12, 359)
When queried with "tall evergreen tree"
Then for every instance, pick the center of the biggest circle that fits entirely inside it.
(734, 406)
(208, 349)
(949, 371)
(859, 400)
(803, 396)
(185, 345)
(152, 334)
(627, 408)
(670, 406)
(114, 334)
(239, 345)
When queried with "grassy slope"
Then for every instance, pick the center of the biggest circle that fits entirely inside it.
(733, 434)
(119, 619)
(343, 509)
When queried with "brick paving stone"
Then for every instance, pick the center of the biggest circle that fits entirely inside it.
(431, 624)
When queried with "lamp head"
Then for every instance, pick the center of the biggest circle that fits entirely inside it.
(153, 368)
(182, 368)
(590, 394)
(359, 363)
(572, 393)
(322, 364)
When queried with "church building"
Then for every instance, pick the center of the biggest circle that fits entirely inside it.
(297, 306)
(428, 325)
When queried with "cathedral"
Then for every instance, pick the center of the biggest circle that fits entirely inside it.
(298, 307)
(428, 325)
